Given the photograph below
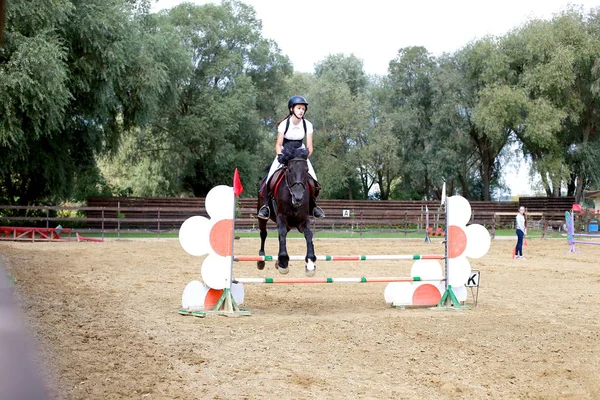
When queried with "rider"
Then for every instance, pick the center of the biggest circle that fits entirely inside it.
(290, 132)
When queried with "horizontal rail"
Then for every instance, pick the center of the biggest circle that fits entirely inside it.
(348, 258)
(583, 242)
(123, 220)
(334, 280)
(102, 208)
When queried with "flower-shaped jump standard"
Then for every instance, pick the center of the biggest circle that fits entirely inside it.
(464, 241)
(199, 236)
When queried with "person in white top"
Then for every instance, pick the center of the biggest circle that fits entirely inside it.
(291, 132)
(521, 233)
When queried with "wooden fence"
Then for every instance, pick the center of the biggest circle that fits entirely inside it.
(162, 214)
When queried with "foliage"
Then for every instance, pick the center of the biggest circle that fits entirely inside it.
(104, 97)
(73, 76)
(554, 65)
(226, 100)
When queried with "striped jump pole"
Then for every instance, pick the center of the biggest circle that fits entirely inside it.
(334, 280)
(349, 258)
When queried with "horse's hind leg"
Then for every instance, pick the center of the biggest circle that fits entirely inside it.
(262, 226)
(310, 268)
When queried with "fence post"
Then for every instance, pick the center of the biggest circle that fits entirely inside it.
(102, 223)
(118, 220)
(543, 226)
(158, 226)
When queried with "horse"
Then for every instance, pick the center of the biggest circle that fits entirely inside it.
(289, 208)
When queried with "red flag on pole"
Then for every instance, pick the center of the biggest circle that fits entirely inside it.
(237, 184)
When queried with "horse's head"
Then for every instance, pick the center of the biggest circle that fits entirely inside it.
(297, 177)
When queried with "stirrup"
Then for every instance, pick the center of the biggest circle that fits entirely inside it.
(318, 213)
(264, 214)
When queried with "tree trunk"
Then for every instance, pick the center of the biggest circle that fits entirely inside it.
(571, 185)
(579, 190)
(580, 187)
(464, 186)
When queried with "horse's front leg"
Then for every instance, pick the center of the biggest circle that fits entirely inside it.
(310, 267)
(262, 226)
(282, 258)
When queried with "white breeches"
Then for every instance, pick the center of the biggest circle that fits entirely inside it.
(275, 166)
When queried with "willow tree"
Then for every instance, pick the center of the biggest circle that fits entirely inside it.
(225, 104)
(552, 104)
(73, 76)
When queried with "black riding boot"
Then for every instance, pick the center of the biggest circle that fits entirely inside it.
(317, 212)
(264, 211)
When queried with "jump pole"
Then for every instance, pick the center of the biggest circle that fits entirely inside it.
(349, 258)
(427, 238)
(332, 280)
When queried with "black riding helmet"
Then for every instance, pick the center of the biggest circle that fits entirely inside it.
(295, 100)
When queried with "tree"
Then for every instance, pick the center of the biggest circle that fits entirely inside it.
(225, 106)
(484, 83)
(412, 81)
(554, 113)
(342, 118)
(68, 89)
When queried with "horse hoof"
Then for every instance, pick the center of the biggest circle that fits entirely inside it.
(283, 271)
(260, 265)
(310, 268)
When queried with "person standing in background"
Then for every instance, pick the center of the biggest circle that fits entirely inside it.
(521, 233)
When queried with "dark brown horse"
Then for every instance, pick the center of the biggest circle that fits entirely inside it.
(289, 208)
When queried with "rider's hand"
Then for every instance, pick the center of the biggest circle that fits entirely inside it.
(280, 158)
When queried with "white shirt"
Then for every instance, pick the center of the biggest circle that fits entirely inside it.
(295, 132)
(521, 222)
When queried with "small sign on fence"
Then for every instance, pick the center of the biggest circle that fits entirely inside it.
(346, 213)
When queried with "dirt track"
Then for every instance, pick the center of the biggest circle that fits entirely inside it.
(105, 316)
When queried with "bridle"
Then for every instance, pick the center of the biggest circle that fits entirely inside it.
(288, 182)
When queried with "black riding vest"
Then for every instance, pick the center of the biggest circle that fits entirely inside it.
(293, 144)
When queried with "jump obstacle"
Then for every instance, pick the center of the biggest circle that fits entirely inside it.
(571, 235)
(35, 234)
(17, 233)
(430, 231)
(341, 258)
(348, 258)
(227, 305)
(333, 280)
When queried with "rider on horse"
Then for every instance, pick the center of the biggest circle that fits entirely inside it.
(290, 133)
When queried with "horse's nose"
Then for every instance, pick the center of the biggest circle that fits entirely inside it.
(297, 201)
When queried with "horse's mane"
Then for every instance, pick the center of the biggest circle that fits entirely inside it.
(290, 153)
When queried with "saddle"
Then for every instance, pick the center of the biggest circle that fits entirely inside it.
(272, 186)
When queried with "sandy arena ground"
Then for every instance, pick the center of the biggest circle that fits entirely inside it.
(106, 323)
